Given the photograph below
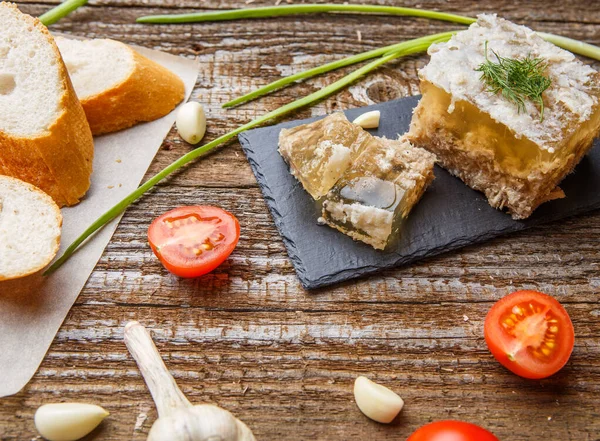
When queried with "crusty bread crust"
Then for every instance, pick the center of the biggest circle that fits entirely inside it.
(59, 160)
(46, 199)
(151, 91)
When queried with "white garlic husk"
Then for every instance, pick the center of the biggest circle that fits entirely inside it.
(68, 421)
(376, 401)
(203, 422)
(368, 120)
(177, 419)
(191, 122)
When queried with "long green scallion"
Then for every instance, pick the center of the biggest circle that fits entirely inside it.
(277, 113)
(278, 11)
(407, 47)
(574, 46)
(60, 11)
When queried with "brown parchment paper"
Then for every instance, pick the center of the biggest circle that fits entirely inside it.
(32, 309)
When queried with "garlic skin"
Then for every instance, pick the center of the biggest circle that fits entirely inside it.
(191, 122)
(368, 120)
(203, 422)
(376, 401)
(68, 421)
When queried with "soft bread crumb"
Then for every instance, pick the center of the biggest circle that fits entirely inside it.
(30, 224)
(95, 65)
(45, 138)
(117, 86)
(30, 84)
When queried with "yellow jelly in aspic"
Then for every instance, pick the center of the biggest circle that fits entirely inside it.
(476, 130)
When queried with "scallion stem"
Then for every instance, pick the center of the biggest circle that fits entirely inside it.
(60, 11)
(574, 46)
(278, 11)
(135, 195)
(409, 47)
(275, 11)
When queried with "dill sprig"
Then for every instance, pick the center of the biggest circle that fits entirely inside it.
(516, 80)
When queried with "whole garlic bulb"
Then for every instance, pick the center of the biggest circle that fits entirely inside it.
(177, 419)
(203, 422)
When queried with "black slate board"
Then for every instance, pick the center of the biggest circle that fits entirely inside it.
(449, 216)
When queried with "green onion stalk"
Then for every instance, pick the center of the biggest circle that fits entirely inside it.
(278, 11)
(61, 11)
(569, 44)
(409, 47)
(385, 55)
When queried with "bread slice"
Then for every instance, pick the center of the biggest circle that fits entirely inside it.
(516, 157)
(117, 86)
(30, 224)
(44, 136)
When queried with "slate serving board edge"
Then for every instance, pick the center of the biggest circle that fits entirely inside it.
(273, 208)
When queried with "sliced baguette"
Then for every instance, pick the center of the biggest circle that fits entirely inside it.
(30, 224)
(44, 136)
(117, 86)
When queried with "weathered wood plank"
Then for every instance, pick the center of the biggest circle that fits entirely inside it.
(248, 337)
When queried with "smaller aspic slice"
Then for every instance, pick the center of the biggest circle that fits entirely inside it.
(378, 191)
(319, 153)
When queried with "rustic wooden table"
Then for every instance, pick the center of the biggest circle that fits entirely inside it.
(248, 337)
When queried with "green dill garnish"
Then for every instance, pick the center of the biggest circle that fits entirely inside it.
(516, 80)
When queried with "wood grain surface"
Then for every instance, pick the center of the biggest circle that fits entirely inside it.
(248, 337)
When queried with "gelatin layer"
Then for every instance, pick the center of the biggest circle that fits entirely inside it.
(318, 153)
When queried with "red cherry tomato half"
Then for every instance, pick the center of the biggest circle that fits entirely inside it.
(451, 431)
(530, 333)
(193, 241)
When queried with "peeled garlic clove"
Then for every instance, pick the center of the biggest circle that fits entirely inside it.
(191, 122)
(368, 120)
(376, 401)
(68, 421)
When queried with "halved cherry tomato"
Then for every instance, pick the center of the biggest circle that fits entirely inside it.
(193, 241)
(530, 333)
(451, 431)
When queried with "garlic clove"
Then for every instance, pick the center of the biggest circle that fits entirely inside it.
(376, 401)
(68, 421)
(368, 120)
(191, 122)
